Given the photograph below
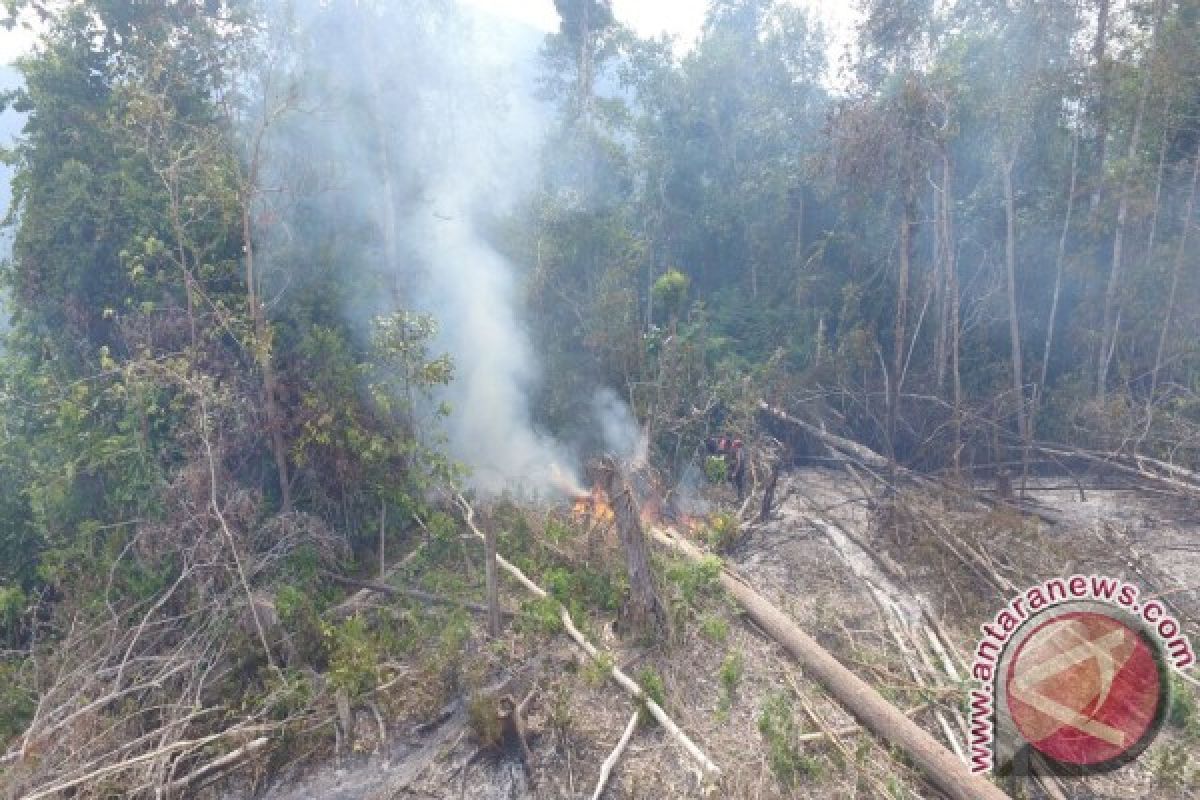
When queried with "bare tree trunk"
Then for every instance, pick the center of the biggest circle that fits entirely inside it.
(1112, 293)
(1176, 271)
(941, 337)
(950, 258)
(1100, 101)
(644, 609)
(1060, 260)
(901, 324)
(493, 591)
(1152, 239)
(1014, 325)
(262, 352)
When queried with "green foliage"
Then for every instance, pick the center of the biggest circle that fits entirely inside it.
(778, 728)
(716, 469)
(17, 703)
(652, 684)
(598, 670)
(355, 656)
(670, 292)
(722, 531)
(483, 719)
(12, 609)
(715, 628)
(583, 587)
(730, 675)
(696, 579)
(288, 692)
(1169, 765)
(1183, 713)
(540, 615)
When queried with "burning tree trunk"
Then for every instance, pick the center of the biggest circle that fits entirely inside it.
(644, 609)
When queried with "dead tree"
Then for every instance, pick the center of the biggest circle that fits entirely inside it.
(644, 611)
(493, 592)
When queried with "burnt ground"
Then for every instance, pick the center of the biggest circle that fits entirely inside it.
(853, 574)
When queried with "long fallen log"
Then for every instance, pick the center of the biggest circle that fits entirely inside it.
(844, 450)
(1127, 466)
(865, 455)
(943, 768)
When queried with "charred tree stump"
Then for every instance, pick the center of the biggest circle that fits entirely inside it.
(768, 501)
(643, 612)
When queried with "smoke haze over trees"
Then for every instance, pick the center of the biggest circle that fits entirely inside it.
(285, 276)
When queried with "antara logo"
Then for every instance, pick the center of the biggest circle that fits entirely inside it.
(1075, 670)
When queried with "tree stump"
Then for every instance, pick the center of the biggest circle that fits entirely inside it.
(643, 611)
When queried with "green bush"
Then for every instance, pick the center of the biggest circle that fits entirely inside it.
(730, 676)
(670, 291)
(1182, 712)
(354, 656)
(778, 729)
(714, 628)
(695, 579)
(652, 683)
(722, 531)
(716, 469)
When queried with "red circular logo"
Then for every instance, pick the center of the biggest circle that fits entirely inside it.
(1084, 688)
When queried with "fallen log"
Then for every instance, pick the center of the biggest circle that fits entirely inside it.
(1133, 467)
(844, 450)
(941, 767)
(865, 455)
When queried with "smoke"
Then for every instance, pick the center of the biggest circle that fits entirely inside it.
(430, 114)
(622, 435)
(690, 497)
(491, 427)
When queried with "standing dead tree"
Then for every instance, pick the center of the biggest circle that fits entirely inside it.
(644, 611)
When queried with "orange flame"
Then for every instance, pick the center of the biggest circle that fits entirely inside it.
(593, 506)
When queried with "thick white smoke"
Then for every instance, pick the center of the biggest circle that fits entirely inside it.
(430, 117)
(622, 435)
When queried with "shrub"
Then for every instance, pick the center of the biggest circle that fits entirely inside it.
(730, 676)
(652, 683)
(716, 469)
(778, 730)
(695, 579)
(723, 531)
(714, 628)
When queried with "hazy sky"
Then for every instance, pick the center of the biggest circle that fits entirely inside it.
(680, 18)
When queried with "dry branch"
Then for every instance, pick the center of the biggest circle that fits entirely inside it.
(219, 765)
(416, 594)
(113, 769)
(607, 767)
(862, 454)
